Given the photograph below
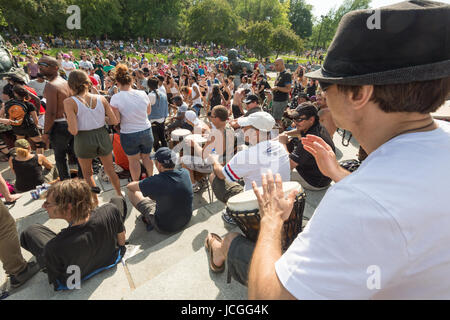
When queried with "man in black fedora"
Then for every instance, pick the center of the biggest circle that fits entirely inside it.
(382, 231)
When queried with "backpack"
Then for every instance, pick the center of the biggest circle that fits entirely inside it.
(17, 112)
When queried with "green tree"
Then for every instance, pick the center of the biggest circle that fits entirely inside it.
(262, 10)
(300, 16)
(326, 26)
(257, 38)
(284, 40)
(212, 21)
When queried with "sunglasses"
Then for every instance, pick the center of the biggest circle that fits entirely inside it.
(43, 64)
(298, 120)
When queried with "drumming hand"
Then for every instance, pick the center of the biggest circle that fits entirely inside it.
(324, 155)
(272, 203)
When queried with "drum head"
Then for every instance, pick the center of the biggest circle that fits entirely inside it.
(246, 201)
(197, 138)
(179, 133)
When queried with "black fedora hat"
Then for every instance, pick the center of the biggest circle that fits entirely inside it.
(410, 43)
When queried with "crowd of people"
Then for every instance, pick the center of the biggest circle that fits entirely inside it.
(199, 126)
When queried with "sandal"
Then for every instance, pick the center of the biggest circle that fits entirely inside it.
(214, 268)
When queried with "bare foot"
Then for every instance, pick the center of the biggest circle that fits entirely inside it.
(13, 197)
(216, 246)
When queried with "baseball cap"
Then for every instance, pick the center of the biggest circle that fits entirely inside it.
(65, 55)
(164, 156)
(260, 120)
(192, 117)
(251, 98)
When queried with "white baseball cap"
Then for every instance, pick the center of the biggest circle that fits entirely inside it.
(191, 116)
(260, 120)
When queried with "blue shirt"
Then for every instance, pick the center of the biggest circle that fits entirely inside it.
(172, 191)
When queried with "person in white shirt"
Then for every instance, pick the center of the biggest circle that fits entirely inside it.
(132, 107)
(38, 84)
(196, 95)
(85, 64)
(67, 65)
(381, 232)
(248, 165)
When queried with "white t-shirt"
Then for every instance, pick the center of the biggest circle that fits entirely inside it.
(198, 100)
(68, 64)
(162, 89)
(387, 221)
(38, 86)
(132, 106)
(251, 163)
(86, 64)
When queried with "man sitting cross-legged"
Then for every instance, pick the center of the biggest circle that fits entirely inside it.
(172, 191)
(248, 165)
(93, 241)
(221, 140)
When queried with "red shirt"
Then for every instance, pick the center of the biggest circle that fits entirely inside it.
(34, 102)
(94, 81)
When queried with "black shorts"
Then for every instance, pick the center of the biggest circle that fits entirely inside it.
(239, 258)
(30, 132)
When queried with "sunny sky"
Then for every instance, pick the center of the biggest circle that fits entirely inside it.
(321, 7)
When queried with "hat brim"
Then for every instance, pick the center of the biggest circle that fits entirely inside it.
(244, 122)
(426, 72)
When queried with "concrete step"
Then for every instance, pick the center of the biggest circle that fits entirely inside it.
(190, 279)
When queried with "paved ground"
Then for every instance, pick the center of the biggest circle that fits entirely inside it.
(163, 266)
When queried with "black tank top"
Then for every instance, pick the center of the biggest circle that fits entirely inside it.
(225, 94)
(28, 174)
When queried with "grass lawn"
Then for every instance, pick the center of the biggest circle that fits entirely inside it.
(176, 56)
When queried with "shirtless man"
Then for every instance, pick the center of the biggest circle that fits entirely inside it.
(55, 127)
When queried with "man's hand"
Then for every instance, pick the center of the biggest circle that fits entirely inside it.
(274, 89)
(45, 138)
(283, 138)
(213, 158)
(273, 206)
(325, 157)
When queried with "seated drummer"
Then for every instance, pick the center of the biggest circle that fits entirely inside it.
(199, 127)
(171, 189)
(221, 140)
(179, 121)
(307, 122)
(248, 165)
(252, 104)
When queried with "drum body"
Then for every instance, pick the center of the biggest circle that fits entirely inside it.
(200, 140)
(245, 212)
(177, 136)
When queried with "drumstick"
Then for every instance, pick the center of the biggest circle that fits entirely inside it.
(293, 133)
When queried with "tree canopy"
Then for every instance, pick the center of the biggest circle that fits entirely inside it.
(265, 26)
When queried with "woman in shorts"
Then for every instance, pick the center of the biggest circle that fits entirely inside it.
(86, 115)
(132, 108)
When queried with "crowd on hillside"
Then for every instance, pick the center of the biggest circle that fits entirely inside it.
(257, 142)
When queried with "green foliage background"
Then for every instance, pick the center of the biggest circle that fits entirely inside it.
(265, 26)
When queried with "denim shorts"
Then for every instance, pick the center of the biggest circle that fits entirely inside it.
(137, 142)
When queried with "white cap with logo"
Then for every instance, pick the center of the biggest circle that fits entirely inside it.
(261, 120)
(191, 116)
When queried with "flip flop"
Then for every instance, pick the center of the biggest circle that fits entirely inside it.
(214, 268)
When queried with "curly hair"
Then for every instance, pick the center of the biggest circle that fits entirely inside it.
(75, 192)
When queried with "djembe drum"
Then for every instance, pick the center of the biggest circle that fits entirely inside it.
(244, 209)
(177, 136)
(200, 140)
